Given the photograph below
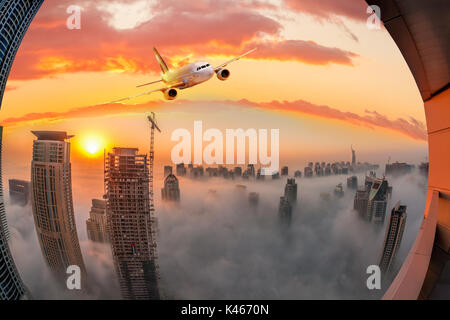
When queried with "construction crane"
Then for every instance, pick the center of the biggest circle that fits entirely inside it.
(152, 121)
(153, 220)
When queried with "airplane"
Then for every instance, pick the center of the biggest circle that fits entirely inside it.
(185, 77)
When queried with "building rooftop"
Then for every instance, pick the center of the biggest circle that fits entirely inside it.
(52, 135)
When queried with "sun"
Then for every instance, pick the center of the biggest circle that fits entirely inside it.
(92, 145)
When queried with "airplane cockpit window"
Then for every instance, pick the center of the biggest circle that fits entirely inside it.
(204, 66)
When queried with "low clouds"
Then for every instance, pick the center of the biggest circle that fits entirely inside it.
(217, 247)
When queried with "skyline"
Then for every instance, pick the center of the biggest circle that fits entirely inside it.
(315, 95)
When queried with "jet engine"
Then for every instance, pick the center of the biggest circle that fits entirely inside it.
(223, 74)
(170, 94)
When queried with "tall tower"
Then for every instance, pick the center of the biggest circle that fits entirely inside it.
(171, 190)
(393, 237)
(51, 183)
(130, 221)
(290, 191)
(377, 203)
(96, 224)
(11, 286)
(15, 18)
(353, 156)
(285, 211)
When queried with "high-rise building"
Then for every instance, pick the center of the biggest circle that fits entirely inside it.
(360, 201)
(237, 171)
(352, 182)
(130, 223)
(285, 211)
(298, 174)
(171, 190)
(308, 172)
(393, 237)
(398, 168)
(19, 192)
(181, 170)
(96, 225)
(339, 191)
(290, 191)
(285, 171)
(11, 286)
(353, 156)
(377, 203)
(167, 170)
(15, 18)
(251, 170)
(51, 184)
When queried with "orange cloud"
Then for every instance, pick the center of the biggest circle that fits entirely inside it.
(411, 128)
(330, 9)
(177, 28)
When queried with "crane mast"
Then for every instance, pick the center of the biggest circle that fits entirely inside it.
(153, 220)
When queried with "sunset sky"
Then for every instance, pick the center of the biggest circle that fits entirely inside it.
(320, 75)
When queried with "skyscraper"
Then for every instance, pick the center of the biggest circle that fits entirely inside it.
(353, 156)
(96, 225)
(360, 202)
(339, 191)
(181, 170)
(398, 168)
(19, 192)
(11, 286)
(393, 237)
(171, 190)
(15, 17)
(308, 172)
(51, 184)
(285, 171)
(377, 203)
(167, 170)
(285, 211)
(290, 191)
(130, 223)
(251, 170)
(352, 182)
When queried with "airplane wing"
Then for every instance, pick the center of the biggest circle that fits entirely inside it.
(175, 85)
(234, 59)
(146, 84)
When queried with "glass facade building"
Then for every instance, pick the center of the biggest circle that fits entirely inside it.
(15, 17)
(11, 286)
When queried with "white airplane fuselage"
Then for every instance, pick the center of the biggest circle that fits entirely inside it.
(191, 74)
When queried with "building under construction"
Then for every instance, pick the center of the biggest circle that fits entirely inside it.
(131, 223)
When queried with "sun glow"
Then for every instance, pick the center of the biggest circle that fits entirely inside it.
(92, 145)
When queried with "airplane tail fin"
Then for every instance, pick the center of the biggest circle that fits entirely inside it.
(160, 60)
